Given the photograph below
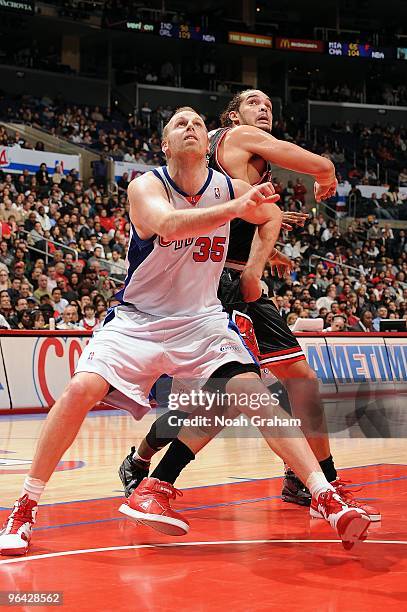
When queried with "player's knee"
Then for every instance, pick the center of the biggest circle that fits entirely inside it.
(309, 373)
(298, 371)
(86, 389)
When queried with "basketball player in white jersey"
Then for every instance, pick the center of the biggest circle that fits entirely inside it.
(170, 321)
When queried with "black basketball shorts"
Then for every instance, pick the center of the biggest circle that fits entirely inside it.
(260, 324)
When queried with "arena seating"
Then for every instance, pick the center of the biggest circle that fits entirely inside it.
(59, 233)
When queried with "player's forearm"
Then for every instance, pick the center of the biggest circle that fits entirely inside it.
(292, 157)
(262, 247)
(181, 224)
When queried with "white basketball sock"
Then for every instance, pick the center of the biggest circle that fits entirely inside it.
(136, 457)
(317, 483)
(33, 487)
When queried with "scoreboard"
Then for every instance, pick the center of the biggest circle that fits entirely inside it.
(185, 32)
(358, 50)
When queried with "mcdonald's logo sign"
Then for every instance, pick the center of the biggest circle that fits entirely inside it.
(284, 43)
(300, 44)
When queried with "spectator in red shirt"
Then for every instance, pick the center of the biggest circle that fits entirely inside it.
(106, 222)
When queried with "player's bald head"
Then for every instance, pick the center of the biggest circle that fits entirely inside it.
(184, 110)
(185, 133)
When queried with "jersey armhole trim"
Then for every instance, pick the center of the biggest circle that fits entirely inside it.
(158, 175)
(230, 187)
(219, 165)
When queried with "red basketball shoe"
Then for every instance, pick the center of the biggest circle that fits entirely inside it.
(347, 496)
(351, 523)
(16, 533)
(149, 504)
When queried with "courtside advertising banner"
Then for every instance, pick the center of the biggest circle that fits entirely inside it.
(15, 160)
(133, 170)
(362, 377)
(35, 368)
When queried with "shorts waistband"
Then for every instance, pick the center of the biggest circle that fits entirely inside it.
(234, 265)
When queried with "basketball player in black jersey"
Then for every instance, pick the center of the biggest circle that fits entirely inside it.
(244, 148)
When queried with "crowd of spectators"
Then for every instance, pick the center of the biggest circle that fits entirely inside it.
(84, 229)
(382, 93)
(390, 205)
(74, 285)
(34, 55)
(62, 250)
(391, 95)
(362, 154)
(350, 279)
(135, 138)
(338, 92)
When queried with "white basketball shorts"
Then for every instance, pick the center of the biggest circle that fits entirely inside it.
(133, 349)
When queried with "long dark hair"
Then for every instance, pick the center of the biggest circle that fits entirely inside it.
(233, 105)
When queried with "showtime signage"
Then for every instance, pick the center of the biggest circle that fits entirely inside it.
(250, 40)
(300, 44)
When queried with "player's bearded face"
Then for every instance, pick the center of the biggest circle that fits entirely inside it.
(256, 109)
(186, 134)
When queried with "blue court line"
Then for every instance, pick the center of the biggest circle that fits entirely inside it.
(118, 412)
(192, 509)
(239, 481)
(195, 508)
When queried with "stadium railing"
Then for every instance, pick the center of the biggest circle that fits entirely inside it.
(46, 251)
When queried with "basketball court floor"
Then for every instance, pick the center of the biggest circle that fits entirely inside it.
(246, 549)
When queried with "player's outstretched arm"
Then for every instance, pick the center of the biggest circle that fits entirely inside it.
(151, 212)
(287, 155)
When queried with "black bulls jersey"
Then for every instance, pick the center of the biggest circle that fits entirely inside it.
(241, 232)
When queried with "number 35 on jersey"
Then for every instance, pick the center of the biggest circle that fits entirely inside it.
(206, 248)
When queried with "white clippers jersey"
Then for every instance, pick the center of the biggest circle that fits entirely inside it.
(179, 277)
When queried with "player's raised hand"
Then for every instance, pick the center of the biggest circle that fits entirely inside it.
(254, 205)
(280, 265)
(294, 218)
(324, 192)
